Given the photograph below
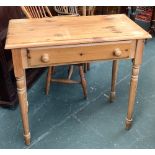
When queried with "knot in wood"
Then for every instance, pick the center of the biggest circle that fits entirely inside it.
(81, 54)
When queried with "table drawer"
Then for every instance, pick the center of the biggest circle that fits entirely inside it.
(80, 53)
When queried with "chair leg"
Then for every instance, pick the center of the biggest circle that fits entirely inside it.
(48, 79)
(83, 80)
(88, 66)
(70, 71)
(113, 81)
(85, 67)
(53, 70)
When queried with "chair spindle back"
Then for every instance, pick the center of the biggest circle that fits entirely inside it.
(66, 10)
(36, 11)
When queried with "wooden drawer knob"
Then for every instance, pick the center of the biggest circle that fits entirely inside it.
(45, 58)
(117, 52)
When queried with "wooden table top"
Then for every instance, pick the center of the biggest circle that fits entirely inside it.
(71, 30)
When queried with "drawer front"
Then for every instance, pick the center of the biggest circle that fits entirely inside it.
(78, 54)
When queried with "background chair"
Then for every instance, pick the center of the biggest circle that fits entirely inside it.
(42, 12)
(36, 11)
(66, 10)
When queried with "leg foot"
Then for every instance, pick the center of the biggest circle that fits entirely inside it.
(27, 139)
(128, 124)
(112, 96)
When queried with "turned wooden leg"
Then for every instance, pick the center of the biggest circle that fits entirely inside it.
(134, 81)
(19, 72)
(132, 95)
(22, 96)
(83, 81)
(26, 94)
(48, 79)
(70, 71)
(113, 81)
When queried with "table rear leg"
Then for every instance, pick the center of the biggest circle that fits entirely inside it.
(19, 72)
(114, 80)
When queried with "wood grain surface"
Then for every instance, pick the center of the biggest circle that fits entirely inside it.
(63, 30)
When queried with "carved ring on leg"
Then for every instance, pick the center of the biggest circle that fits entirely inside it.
(112, 96)
(128, 123)
(21, 89)
(27, 138)
(132, 95)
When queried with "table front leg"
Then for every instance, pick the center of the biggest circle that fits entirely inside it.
(22, 96)
(19, 72)
(134, 81)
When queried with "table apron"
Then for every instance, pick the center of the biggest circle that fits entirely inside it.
(54, 56)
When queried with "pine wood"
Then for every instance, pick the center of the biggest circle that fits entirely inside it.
(17, 61)
(89, 38)
(72, 55)
(114, 80)
(75, 30)
(139, 52)
(22, 92)
(134, 82)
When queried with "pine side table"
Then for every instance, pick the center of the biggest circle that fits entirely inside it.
(72, 40)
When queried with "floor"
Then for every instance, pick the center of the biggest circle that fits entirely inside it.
(64, 119)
